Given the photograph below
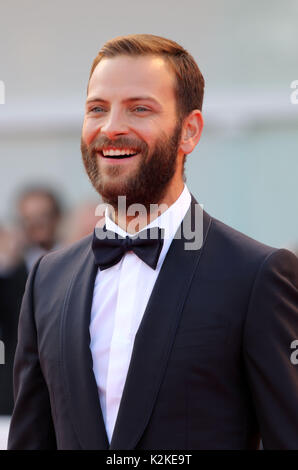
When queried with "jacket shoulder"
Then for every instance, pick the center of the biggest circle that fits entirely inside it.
(239, 239)
(226, 240)
(232, 249)
(66, 257)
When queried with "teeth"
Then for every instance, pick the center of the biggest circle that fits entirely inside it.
(113, 153)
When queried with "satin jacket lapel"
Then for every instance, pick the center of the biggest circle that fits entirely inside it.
(154, 339)
(79, 380)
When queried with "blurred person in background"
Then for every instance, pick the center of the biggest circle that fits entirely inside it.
(36, 232)
(79, 222)
(39, 214)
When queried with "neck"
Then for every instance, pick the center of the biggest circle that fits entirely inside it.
(133, 224)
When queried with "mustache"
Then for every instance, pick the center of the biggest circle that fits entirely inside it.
(121, 143)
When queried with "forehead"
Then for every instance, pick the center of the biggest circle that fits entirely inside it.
(35, 200)
(123, 76)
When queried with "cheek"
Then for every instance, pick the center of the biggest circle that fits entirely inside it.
(89, 131)
(147, 134)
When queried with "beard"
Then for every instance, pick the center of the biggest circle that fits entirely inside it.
(147, 183)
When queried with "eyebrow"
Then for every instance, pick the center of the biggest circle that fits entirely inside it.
(135, 98)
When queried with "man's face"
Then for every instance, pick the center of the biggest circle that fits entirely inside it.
(131, 107)
(39, 220)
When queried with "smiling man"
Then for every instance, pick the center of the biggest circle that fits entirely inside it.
(131, 338)
(131, 140)
(135, 153)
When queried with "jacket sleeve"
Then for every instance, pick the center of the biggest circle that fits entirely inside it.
(270, 331)
(31, 425)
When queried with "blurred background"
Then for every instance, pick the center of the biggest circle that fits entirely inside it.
(244, 170)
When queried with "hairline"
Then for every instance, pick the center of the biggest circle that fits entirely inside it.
(163, 56)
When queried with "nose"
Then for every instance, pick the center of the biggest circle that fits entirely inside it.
(114, 124)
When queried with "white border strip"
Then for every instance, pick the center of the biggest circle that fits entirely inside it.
(231, 110)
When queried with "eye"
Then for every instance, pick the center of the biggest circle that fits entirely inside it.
(96, 109)
(142, 108)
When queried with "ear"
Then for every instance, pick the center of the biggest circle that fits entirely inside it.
(191, 132)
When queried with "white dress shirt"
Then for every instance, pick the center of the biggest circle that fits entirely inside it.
(120, 297)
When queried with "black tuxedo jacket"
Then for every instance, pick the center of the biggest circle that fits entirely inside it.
(11, 293)
(210, 367)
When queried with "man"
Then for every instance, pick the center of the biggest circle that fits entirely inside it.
(175, 342)
(39, 217)
(39, 213)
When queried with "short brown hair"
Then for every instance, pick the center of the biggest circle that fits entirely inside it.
(189, 90)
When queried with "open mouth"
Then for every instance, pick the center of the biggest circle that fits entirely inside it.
(117, 157)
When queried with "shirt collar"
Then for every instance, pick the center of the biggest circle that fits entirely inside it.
(169, 220)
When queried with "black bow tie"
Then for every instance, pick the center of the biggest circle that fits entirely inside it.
(109, 247)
